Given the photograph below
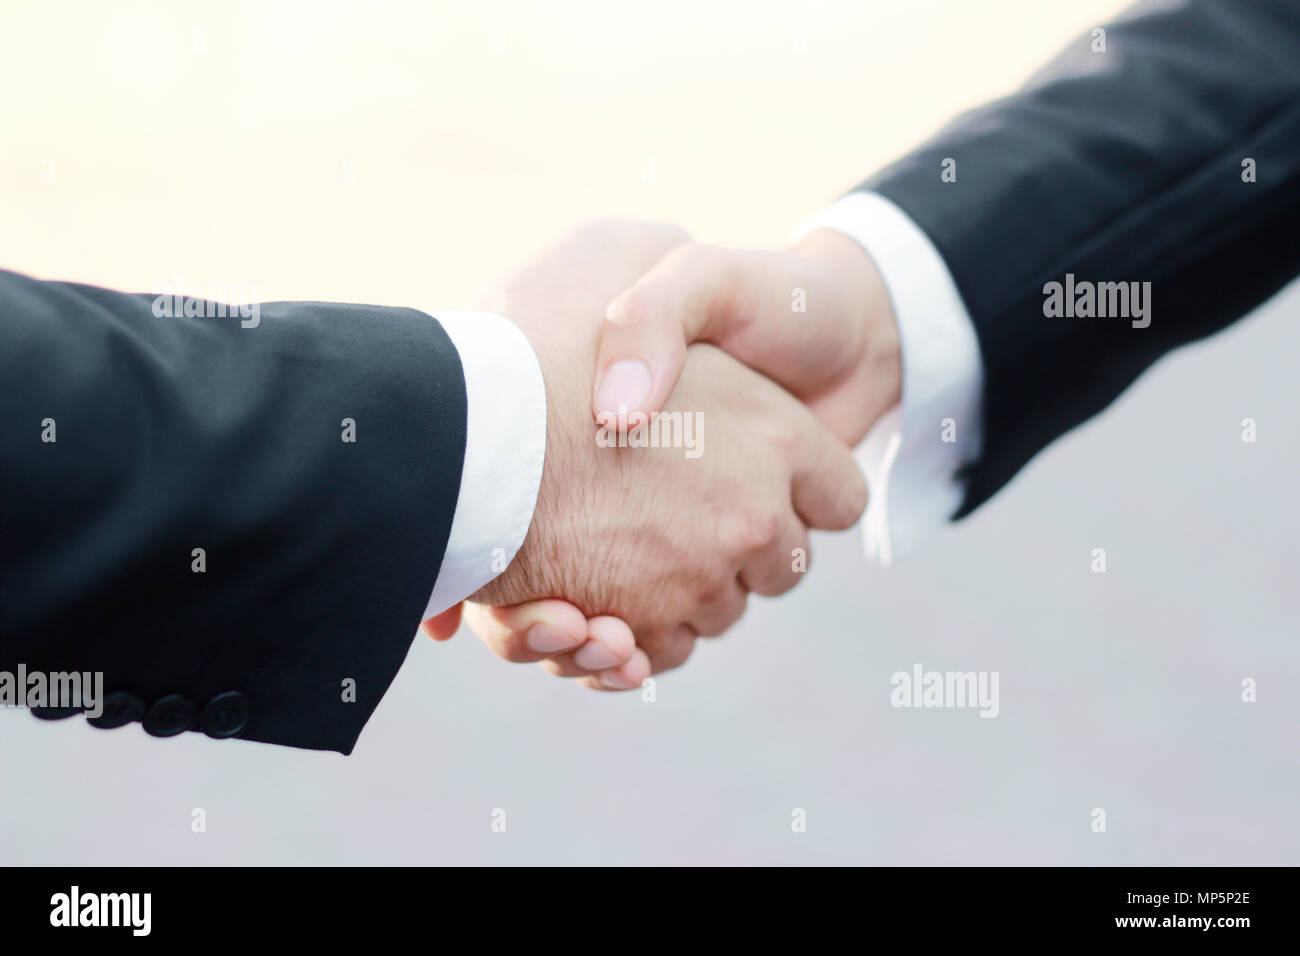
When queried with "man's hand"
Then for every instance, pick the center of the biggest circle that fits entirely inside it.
(815, 318)
(668, 543)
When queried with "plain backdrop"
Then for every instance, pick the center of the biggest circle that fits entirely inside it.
(410, 154)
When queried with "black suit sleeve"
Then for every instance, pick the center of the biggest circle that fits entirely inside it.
(130, 440)
(1123, 165)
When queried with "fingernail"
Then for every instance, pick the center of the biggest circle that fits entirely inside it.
(545, 640)
(595, 656)
(625, 384)
(615, 680)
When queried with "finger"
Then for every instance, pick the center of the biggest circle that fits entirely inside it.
(663, 651)
(530, 632)
(441, 627)
(609, 644)
(828, 489)
(672, 650)
(719, 609)
(776, 569)
(562, 665)
(627, 677)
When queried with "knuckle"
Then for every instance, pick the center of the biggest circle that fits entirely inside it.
(782, 432)
(732, 611)
(654, 643)
(636, 306)
(761, 530)
(722, 267)
(672, 655)
(719, 608)
(789, 437)
(715, 592)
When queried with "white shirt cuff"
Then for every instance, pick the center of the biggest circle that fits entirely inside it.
(913, 454)
(505, 445)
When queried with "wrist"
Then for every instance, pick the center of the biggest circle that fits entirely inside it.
(505, 421)
(543, 560)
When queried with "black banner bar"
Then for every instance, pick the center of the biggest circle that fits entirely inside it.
(315, 905)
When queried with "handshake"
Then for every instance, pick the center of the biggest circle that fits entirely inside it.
(611, 476)
(785, 359)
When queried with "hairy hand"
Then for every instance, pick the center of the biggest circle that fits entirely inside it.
(669, 539)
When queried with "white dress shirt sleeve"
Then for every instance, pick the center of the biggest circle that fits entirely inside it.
(505, 445)
(912, 456)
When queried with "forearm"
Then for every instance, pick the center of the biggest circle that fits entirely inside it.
(192, 506)
(1116, 166)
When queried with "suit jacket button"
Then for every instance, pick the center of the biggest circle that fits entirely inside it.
(226, 714)
(169, 716)
(120, 708)
(54, 713)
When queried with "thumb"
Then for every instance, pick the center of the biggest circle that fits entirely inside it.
(687, 297)
(741, 301)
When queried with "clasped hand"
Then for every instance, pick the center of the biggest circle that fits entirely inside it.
(634, 552)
